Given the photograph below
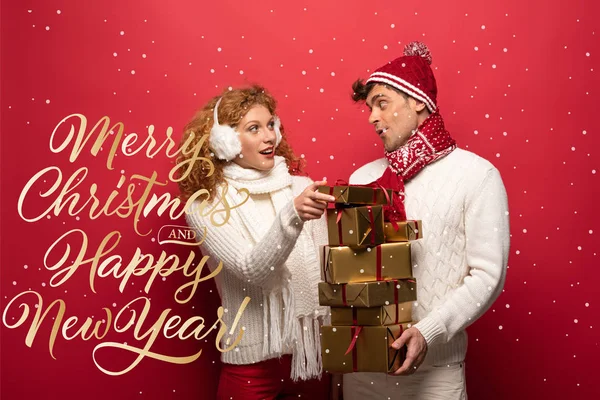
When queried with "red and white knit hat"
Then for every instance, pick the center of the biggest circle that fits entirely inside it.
(410, 74)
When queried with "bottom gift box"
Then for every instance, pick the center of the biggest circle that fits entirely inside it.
(362, 348)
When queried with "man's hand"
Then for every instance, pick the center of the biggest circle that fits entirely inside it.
(311, 204)
(416, 350)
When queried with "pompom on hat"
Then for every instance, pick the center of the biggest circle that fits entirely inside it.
(411, 74)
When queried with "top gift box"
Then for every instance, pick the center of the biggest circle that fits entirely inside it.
(358, 195)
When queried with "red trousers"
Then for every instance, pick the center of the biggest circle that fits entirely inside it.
(268, 380)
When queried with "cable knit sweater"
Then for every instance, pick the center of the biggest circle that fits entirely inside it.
(460, 264)
(254, 268)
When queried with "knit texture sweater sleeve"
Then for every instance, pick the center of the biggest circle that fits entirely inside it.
(261, 264)
(487, 246)
(316, 227)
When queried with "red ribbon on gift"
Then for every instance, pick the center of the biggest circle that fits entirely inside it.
(355, 331)
(354, 316)
(378, 185)
(417, 231)
(344, 301)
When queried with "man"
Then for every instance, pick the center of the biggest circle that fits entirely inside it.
(460, 264)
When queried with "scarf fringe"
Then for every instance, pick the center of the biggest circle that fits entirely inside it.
(306, 357)
(289, 308)
(300, 336)
(275, 333)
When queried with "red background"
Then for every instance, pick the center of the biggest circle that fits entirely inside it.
(517, 85)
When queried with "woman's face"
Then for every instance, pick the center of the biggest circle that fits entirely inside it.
(257, 135)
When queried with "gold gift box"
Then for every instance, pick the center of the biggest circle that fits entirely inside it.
(371, 352)
(407, 230)
(357, 194)
(367, 294)
(355, 226)
(375, 316)
(386, 261)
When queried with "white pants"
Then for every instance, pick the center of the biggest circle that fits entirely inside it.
(428, 383)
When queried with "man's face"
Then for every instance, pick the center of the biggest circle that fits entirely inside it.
(394, 117)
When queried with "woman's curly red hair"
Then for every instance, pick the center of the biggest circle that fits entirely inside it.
(233, 107)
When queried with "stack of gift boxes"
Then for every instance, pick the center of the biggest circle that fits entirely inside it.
(368, 282)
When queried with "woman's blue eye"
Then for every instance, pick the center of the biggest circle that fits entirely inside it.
(382, 104)
(271, 125)
(253, 128)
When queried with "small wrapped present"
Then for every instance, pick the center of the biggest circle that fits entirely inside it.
(358, 195)
(356, 226)
(406, 231)
(362, 349)
(367, 294)
(374, 316)
(386, 261)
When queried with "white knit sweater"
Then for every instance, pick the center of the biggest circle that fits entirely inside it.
(460, 264)
(251, 269)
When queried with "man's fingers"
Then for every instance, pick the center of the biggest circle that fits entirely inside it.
(402, 340)
(411, 353)
(412, 356)
(415, 353)
(407, 365)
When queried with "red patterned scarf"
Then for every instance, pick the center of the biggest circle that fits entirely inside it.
(430, 143)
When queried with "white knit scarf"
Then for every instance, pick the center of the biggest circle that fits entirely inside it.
(292, 315)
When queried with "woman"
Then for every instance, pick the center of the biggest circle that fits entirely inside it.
(268, 246)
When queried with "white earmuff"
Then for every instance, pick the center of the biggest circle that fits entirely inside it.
(224, 140)
(277, 127)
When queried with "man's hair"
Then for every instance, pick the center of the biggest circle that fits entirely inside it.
(361, 91)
